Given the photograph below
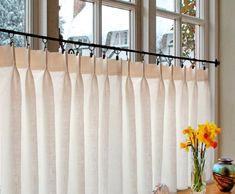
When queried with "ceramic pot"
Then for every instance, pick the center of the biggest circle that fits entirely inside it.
(224, 174)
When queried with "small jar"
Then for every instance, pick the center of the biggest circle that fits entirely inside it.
(224, 174)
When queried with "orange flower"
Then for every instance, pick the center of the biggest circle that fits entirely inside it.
(217, 130)
(214, 144)
(183, 145)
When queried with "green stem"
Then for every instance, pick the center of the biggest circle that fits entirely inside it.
(198, 168)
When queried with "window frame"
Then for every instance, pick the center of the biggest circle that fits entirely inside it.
(179, 18)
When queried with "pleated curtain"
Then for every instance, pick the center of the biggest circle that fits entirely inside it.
(79, 125)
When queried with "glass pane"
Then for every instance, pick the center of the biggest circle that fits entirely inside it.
(189, 7)
(165, 36)
(76, 22)
(12, 17)
(115, 31)
(166, 4)
(190, 40)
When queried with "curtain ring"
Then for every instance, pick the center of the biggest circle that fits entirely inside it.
(70, 51)
(104, 53)
(158, 60)
(27, 41)
(182, 63)
(117, 54)
(45, 43)
(91, 51)
(193, 63)
(169, 61)
(11, 36)
(126, 55)
(203, 66)
(62, 45)
(77, 48)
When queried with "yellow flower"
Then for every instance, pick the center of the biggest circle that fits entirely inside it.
(204, 135)
(188, 130)
(184, 146)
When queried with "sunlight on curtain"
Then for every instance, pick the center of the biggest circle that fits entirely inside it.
(73, 124)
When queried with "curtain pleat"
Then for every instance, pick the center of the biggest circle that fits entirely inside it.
(115, 184)
(182, 117)
(62, 123)
(94, 126)
(11, 136)
(193, 113)
(129, 141)
(29, 136)
(144, 145)
(91, 139)
(77, 147)
(46, 136)
(204, 115)
(157, 132)
(169, 139)
(103, 139)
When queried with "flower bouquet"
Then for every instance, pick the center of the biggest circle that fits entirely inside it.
(199, 140)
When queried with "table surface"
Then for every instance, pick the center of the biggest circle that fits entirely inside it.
(210, 189)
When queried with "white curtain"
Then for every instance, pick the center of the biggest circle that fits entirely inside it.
(81, 125)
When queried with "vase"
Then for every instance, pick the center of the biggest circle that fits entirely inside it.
(198, 184)
(224, 174)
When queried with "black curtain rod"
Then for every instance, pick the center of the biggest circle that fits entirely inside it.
(117, 49)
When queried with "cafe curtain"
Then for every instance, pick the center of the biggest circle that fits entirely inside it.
(79, 125)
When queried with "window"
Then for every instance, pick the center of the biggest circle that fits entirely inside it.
(12, 16)
(108, 23)
(180, 25)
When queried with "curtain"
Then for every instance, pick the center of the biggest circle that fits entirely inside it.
(79, 125)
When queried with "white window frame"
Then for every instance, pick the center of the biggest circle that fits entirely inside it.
(97, 19)
(201, 20)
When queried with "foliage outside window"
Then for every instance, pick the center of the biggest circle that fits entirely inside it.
(188, 30)
(12, 16)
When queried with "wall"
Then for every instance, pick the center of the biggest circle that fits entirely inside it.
(227, 77)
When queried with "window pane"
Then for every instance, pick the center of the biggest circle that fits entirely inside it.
(12, 17)
(165, 36)
(166, 4)
(189, 7)
(76, 22)
(115, 30)
(190, 40)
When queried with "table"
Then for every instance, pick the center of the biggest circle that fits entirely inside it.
(210, 189)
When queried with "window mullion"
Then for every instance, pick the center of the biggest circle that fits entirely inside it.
(119, 4)
(178, 36)
(149, 28)
(97, 25)
(192, 20)
(167, 14)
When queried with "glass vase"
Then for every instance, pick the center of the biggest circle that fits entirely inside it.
(198, 184)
